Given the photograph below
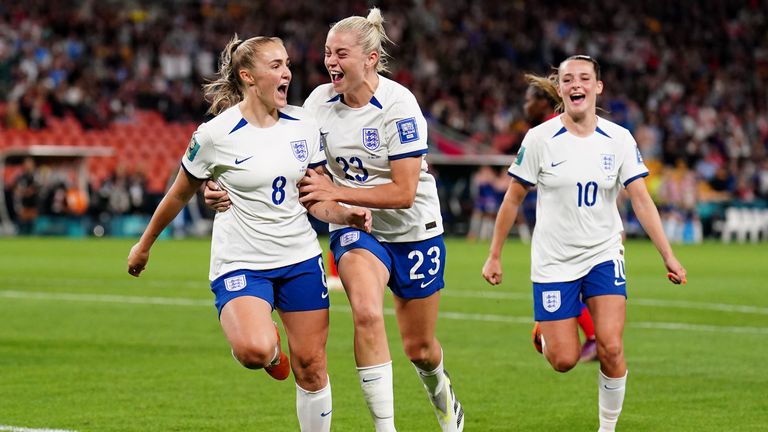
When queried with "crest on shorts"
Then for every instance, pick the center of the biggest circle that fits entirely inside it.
(300, 150)
(607, 162)
(235, 283)
(550, 300)
(349, 238)
(371, 138)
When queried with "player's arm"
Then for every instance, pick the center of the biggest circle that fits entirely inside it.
(399, 193)
(332, 212)
(182, 190)
(648, 215)
(505, 219)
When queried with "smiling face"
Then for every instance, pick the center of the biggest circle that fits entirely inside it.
(270, 76)
(346, 62)
(578, 86)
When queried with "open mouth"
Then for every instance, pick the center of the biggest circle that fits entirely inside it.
(577, 97)
(336, 76)
(282, 90)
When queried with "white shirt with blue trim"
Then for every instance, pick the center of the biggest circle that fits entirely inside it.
(361, 142)
(578, 179)
(266, 227)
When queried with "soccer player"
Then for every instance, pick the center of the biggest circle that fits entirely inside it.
(541, 101)
(578, 161)
(376, 139)
(264, 253)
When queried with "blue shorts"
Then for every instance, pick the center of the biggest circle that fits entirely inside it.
(293, 288)
(415, 268)
(562, 300)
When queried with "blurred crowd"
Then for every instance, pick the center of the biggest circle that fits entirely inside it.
(689, 79)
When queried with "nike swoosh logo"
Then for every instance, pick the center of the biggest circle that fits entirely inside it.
(238, 162)
(619, 283)
(366, 380)
(556, 164)
(611, 388)
(424, 285)
(325, 414)
(324, 295)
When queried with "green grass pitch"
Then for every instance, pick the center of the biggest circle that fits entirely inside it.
(85, 347)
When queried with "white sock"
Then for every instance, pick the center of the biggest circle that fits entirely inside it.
(376, 383)
(433, 380)
(314, 409)
(610, 400)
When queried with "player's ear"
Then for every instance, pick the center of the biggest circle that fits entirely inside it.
(599, 88)
(372, 59)
(246, 77)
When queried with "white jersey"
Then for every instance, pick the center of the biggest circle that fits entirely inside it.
(578, 179)
(361, 142)
(266, 227)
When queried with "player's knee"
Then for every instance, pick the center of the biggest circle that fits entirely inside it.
(310, 371)
(417, 350)
(610, 352)
(367, 317)
(254, 355)
(563, 362)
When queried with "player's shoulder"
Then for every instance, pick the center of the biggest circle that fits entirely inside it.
(296, 113)
(222, 124)
(547, 130)
(393, 93)
(324, 94)
(611, 129)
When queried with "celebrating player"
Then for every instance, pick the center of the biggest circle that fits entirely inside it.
(376, 139)
(578, 161)
(264, 253)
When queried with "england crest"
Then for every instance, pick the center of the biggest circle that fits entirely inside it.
(371, 138)
(607, 162)
(300, 150)
(349, 238)
(235, 283)
(550, 300)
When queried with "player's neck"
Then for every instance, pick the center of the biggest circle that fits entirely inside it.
(581, 126)
(257, 114)
(362, 95)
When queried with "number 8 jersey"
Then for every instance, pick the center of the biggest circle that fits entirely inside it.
(266, 227)
(361, 142)
(578, 179)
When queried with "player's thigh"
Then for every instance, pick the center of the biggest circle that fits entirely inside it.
(609, 314)
(307, 335)
(561, 336)
(247, 323)
(417, 318)
(364, 277)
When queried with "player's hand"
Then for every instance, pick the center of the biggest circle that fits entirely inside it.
(492, 271)
(677, 274)
(317, 187)
(216, 197)
(359, 217)
(137, 260)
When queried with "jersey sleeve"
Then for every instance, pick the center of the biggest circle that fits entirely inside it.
(316, 146)
(632, 165)
(526, 166)
(198, 160)
(405, 129)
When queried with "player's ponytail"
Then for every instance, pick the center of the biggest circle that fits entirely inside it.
(227, 90)
(370, 34)
(546, 87)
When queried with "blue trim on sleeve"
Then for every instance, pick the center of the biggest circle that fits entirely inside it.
(285, 116)
(375, 102)
(315, 165)
(645, 174)
(409, 154)
(239, 124)
(520, 179)
(601, 132)
(560, 132)
(190, 174)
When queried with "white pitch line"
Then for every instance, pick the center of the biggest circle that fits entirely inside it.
(460, 316)
(23, 429)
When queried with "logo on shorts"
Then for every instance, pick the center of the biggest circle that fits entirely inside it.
(551, 300)
(235, 283)
(349, 238)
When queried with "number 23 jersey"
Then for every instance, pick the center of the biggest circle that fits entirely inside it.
(361, 142)
(578, 180)
(266, 227)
